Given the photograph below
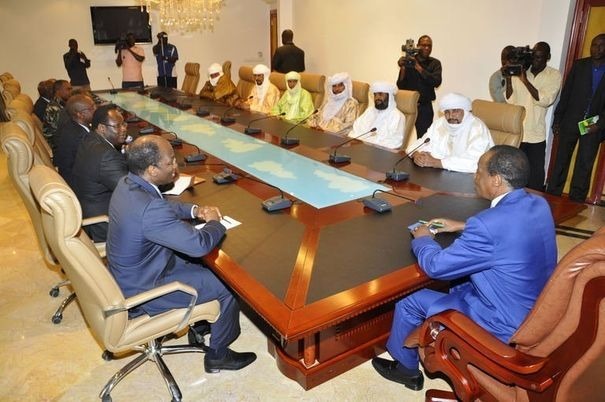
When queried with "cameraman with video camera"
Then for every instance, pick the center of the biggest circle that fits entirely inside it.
(420, 72)
(532, 84)
(130, 57)
(166, 55)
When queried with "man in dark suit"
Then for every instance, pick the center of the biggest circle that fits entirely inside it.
(69, 136)
(150, 244)
(508, 253)
(99, 165)
(288, 57)
(45, 90)
(582, 97)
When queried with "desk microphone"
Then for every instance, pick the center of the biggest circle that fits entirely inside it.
(225, 177)
(346, 158)
(255, 130)
(227, 120)
(199, 156)
(175, 141)
(203, 111)
(276, 203)
(113, 89)
(399, 175)
(381, 205)
(295, 141)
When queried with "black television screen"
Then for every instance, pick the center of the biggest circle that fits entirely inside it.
(112, 23)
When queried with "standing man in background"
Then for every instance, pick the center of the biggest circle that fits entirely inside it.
(582, 98)
(130, 57)
(76, 64)
(497, 82)
(288, 57)
(166, 55)
(535, 89)
(421, 73)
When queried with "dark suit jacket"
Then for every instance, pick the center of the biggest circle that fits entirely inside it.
(145, 234)
(288, 58)
(68, 139)
(97, 169)
(577, 98)
(40, 108)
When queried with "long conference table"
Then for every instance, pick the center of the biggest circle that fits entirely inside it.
(321, 277)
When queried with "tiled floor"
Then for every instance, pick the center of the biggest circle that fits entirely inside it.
(40, 361)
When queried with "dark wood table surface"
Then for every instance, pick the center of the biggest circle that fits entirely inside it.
(324, 281)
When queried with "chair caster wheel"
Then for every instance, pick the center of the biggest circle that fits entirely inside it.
(106, 398)
(54, 292)
(107, 356)
(57, 318)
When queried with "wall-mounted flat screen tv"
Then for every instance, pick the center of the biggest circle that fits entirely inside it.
(109, 24)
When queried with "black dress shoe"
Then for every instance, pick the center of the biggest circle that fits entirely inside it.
(231, 361)
(393, 371)
(197, 332)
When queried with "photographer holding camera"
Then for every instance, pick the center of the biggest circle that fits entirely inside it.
(166, 55)
(535, 87)
(130, 57)
(420, 72)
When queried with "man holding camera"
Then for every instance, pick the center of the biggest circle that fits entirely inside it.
(166, 55)
(130, 57)
(420, 72)
(536, 89)
(76, 63)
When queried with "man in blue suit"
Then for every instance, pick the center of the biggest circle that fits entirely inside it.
(508, 253)
(149, 244)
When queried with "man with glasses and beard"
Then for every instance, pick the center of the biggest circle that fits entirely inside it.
(99, 165)
(382, 115)
(458, 139)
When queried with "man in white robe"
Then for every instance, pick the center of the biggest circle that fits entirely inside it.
(339, 109)
(382, 115)
(458, 138)
(264, 95)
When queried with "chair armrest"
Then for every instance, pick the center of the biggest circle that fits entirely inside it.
(95, 219)
(155, 293)
(101, 249)
(482, 341)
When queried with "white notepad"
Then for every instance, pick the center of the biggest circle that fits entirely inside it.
(226, 221)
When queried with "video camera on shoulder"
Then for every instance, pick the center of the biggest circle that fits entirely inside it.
(121, 44)
(519, 59)
(410, 52)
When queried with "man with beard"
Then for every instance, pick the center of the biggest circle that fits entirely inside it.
(264, 95)
(339, 110)
(421, 73)
(382, 115)
(99, 165)
(458, 139)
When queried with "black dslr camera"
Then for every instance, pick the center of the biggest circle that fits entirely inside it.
(121, 44)
(519, 59)
(410, 52)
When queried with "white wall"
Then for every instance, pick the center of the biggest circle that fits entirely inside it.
(364, 37)
(35, 35)
(359, 36)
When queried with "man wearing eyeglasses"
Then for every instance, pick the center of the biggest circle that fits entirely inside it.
(99, 165)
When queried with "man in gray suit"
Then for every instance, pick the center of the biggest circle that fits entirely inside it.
(98, 166)
(150, 244)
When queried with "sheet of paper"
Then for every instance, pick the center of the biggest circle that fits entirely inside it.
(182, 184)
(226, 221)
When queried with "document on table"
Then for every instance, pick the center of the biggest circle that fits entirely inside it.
(226, 221)
(182, 184)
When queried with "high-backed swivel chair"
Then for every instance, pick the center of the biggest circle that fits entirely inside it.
(361, 92)
(407, 103)
(101, 300)
(246, 82)
(192, 78)
(557, 354)
(505, 121)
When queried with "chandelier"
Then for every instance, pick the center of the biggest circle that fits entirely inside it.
(186, 15)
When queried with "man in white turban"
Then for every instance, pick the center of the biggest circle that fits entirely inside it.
(339, 110)
(382, 115)
(458, 139)
(219, 86)
(296, 102)
(264, 95)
